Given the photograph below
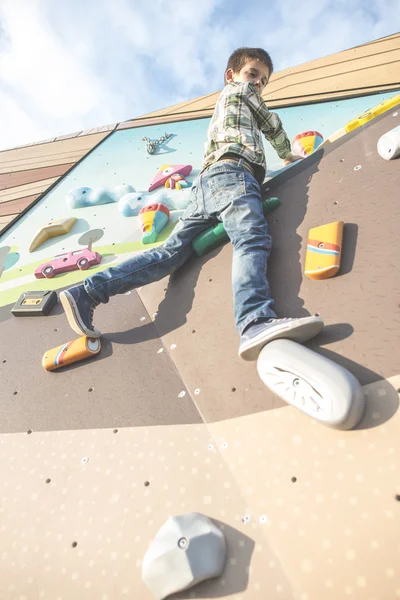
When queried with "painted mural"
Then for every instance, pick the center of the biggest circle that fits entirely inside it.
(128, 194)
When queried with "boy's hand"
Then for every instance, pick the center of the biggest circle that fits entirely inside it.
(291, 158)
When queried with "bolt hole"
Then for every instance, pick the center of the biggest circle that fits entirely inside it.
(336, 202)
(56, 329)
(146, 483)
(15, 393)
(115, 431)
(4, 361)
(316, 314)
(294, 479)
(48, 480)
(74, 544)
(398, 390)
(29, 431)
(233, 389)
(397, 497)
(193, 331)
(90, 389)
(209, 280)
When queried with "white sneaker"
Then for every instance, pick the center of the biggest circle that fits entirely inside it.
(258, 334)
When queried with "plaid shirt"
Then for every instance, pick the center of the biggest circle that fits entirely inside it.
(239, 119)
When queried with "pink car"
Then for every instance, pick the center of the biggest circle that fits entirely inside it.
(78, 259)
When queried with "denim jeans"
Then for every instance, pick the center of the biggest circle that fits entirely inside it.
(225, 192)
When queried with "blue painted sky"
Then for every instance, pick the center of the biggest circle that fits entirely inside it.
(68, 66)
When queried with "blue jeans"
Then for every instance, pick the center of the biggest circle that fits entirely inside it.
(224, 192)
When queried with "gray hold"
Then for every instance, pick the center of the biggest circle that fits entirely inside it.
(187, 549)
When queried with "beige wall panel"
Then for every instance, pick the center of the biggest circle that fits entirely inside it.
(26, 190)
(42, 155)
(89, 487)
(329, 497)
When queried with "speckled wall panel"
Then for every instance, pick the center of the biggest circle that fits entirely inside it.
(129, 383)
(79, 509)
(330, 499)
(360, 306)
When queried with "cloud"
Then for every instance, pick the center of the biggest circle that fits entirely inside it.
(71, 66)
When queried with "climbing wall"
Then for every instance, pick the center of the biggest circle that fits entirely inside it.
(167, 419)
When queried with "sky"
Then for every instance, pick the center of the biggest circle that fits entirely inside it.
(71, 65)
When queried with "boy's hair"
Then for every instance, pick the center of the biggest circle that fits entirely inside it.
(239, 57)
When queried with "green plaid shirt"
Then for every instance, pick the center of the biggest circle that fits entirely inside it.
(239, 119)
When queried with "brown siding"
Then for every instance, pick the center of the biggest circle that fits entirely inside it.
(13, 179)
(16, 206)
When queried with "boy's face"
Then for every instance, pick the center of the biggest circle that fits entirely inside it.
(253, 70)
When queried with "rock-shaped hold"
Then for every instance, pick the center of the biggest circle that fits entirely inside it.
(187, 549)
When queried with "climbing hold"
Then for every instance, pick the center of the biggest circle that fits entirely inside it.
(305, 143)
(121, 190)
(32, 304)
(101, 195)
(152, 219)
(187, 549)
(131, 204)
(371, 113)
(324, 250)
(166, 172)
(389, 144)
(70, 261)
(52, 229)
(312, 383)
(78, 197)
(66, 354)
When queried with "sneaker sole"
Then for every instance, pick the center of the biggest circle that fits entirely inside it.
(72, 313)
(295, 331)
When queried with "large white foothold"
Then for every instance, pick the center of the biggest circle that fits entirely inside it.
(312, 383)
(187, 549)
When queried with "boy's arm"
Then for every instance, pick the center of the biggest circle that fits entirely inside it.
(271, 126)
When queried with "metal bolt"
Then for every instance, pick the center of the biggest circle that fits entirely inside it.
(183, 543)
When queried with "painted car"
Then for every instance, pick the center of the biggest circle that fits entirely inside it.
(70, 261)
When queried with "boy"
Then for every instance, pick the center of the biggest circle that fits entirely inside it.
(227, 190)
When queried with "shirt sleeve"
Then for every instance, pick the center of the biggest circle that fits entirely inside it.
(268, 122)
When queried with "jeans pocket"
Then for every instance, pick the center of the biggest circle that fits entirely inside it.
(226, 186)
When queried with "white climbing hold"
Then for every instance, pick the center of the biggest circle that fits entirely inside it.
(160, 350)
(197, 391)
(210, 446)
(246, 519)
(155, 315)
(181, 394)
(263, 519)
(84, 460)
(172, 347)
(224, 445)
(357, 168)
(142, 318)
(187, 549)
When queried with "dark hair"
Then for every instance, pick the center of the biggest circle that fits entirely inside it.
(239, 57)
